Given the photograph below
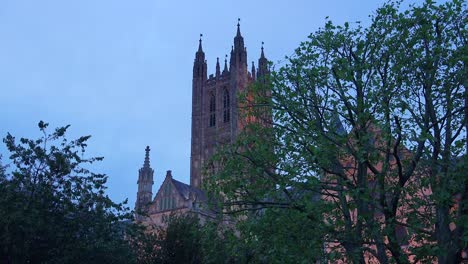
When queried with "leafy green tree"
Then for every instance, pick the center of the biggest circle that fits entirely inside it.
(54, 210)
(281, 236)
(218, 244)
(181, 242)
(432, 51)
(372, 120)
(178, 241)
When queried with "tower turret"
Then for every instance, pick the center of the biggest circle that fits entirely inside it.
(238, 39)
(198, 82)
(262, 65)
(225, 70)
(145, 184)
(232, 61)
(239, 52)
(218, 69)
(253, 71)
(199, 65)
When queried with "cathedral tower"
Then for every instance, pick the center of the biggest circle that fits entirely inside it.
(145, 184)
(215, 117)
(215, 121)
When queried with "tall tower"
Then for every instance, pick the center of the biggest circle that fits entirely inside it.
(198, 81)
(215, 117)
(239, 77)
(145, 184)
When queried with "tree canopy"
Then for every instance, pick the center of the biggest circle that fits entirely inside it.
(367, 140)
(54, 210)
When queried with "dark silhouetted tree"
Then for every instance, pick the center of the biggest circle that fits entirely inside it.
(53, 209)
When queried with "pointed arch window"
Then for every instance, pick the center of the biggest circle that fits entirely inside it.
(226, 106)
(212, 110)
(167, 201)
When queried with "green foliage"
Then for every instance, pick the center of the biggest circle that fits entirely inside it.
(369, 120)
(178, 241)
(282, 236)
(53, 209)
(181, 242)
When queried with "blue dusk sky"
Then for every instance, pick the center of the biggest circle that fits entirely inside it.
(121, 70)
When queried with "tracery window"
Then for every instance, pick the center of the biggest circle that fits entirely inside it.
(166, 202)
(226, 107)
(212, 110)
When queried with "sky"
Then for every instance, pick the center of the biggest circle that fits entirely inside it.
(121, 70)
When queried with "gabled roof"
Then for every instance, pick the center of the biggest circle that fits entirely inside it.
(185, 190)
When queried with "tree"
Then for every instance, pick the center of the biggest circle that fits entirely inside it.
(280, 236)
(371, 120)
(178, 241)
(433, 51)
(54, 209)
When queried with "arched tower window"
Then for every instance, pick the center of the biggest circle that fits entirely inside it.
(226, 107)
(212, 110)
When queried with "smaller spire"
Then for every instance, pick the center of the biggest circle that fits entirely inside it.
(262, 55)
(336, 124)
(233, 57)
(238, 28)
(217, 67)
(200, 44)
(253, 70)
(262, 66)
(225, 64)
(146, 164)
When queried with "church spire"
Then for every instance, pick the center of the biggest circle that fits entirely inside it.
(145, 186)
(233, 57)
(200, 55)
(200, 49)
(253, 71)
(262, 65)
(218, 69)
(225, 65)
(238, 53)
(199, 65)
(146, 164)
(238, 40)
(262, 55)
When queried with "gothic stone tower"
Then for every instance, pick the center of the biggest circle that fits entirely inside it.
(215, 118)
(145, 184)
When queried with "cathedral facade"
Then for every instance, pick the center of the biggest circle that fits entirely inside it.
(215, 121)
